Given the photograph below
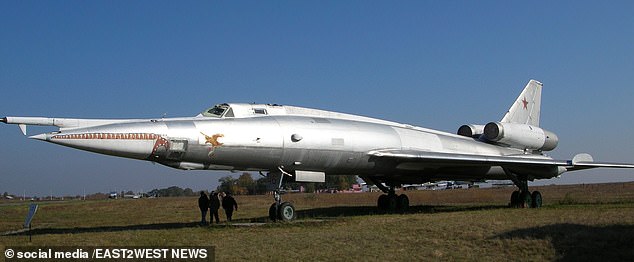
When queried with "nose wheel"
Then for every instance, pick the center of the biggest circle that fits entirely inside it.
(281, 211)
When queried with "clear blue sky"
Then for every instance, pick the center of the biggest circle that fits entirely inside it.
(438, 64)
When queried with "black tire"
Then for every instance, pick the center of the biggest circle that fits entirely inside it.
(537, 199)
(286, 212)
(382, 202)
(515, 199)
(392, 203)
(525, 200)
(402, 203)
(272, 214)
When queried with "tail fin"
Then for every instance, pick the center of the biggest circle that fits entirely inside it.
(527, 106)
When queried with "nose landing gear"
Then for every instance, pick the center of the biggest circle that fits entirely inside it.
(281, 211)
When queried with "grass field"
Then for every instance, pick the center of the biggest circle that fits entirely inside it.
(580, 222)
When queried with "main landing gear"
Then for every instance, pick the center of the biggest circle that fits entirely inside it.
(391, 202)
(523, 198)
(281, 211)
(526, 199)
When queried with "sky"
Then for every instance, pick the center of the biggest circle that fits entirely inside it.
(437, 64)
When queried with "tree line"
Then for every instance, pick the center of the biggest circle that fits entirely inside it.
(243, 185)
(246, 185)
(172, 191)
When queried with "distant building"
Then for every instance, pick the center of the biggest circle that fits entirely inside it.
(356, 188)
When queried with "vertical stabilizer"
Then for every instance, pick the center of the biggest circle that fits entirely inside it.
(526, 108)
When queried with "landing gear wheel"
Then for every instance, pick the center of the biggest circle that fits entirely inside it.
(281, 211)
(515, 199)
(272, 213)
(537, 199)
(382, 202)
(287, 212)
(402, 203)
(525, 199)
(392, 203)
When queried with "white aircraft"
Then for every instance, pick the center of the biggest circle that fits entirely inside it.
(309, 144)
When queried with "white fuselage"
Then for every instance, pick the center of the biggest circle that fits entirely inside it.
(333, 146)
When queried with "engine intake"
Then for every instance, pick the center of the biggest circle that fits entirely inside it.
(521, 136)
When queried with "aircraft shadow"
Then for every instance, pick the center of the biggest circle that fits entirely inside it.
(316, 213)
(574, 242)
(351, 211)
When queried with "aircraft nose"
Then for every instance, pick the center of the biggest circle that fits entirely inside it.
(42, 137)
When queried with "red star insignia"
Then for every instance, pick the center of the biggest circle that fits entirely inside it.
(525, 103)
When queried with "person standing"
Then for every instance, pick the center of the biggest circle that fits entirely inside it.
(203, 204)
(229, 204)
(214, 205)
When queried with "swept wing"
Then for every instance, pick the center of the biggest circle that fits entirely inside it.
(579, 162)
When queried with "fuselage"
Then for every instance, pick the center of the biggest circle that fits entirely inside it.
(330, 145)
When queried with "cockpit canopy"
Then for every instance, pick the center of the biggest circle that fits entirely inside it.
(220, 110)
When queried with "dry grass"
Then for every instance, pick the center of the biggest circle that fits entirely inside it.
(583, 222)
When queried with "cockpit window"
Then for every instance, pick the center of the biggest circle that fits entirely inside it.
(229, 113)
(216, 111)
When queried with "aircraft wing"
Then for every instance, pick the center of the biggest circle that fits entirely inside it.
(579, 162)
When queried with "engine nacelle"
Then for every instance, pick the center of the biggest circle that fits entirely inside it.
(471, 130)
(520, 136)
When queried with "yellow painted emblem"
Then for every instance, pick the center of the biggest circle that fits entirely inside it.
(213, 140)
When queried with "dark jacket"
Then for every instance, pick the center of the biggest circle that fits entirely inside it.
(203, 201)
(214, 202)
(228, 203)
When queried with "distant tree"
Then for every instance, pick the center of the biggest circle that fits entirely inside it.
(263, 185)
(246, 185)
(172, 191)
(189, 192)
(5, 194)
(226, 184)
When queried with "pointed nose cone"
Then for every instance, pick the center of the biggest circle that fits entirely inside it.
(42, 137)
